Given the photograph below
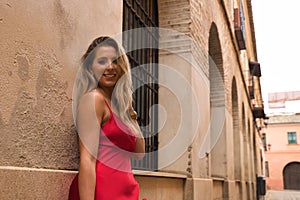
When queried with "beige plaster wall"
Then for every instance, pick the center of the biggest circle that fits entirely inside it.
(41, 44)
(161, 188)
(175, 16)
(29, 183)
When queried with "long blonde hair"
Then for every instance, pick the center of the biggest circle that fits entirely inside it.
(86, 81)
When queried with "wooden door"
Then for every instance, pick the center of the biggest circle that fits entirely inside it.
(291, 176)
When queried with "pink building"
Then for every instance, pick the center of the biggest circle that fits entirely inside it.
(282, 151)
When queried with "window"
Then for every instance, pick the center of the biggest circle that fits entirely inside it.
(239, 26)
(267, 169)
(292, 138)
(139, 14)
(264, 137)
(243, 25)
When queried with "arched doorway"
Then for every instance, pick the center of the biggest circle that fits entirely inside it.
(236, 133)
(217, 105)
(291, 176)
(236, 139)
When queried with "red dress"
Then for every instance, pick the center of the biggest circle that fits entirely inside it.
(114, 178)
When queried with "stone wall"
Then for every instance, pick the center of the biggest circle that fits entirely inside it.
(41, 44)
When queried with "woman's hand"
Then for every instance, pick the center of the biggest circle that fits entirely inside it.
(139, 151)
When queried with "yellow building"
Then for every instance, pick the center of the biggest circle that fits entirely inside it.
(203, 139)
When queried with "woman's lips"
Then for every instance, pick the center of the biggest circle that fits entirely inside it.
(109, 75)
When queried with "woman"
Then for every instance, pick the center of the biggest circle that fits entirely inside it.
(106, 122)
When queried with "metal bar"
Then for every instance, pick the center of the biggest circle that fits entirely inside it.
(144, 14)
(143, 10)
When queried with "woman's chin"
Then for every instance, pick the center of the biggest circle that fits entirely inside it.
(108, 84)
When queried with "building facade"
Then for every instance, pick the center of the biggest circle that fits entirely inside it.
(210, 45)
(282, 152)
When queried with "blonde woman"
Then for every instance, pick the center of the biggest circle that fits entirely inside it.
(106, 123)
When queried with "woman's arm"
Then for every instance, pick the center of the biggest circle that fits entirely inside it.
(139, 148)
(90, 114)
(87, 174)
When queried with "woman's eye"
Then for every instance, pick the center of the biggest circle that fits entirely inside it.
(102, 62)
(115, 61)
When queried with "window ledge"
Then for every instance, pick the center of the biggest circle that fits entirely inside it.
(218, 179)
(159, 174)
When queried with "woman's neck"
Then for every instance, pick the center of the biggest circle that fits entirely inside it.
(107, 92)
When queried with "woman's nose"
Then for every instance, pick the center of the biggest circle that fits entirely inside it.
(110, 64)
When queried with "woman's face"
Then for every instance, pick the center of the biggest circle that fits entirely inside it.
(105, 66)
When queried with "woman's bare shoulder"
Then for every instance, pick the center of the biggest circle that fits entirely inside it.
(93, 102)
(94, 96)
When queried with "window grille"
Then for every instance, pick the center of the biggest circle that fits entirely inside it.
(139, 14)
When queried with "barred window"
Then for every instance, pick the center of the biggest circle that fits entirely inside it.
(140, 14)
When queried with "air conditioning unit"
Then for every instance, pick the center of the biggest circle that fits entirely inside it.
(258, 112)
(255, 69)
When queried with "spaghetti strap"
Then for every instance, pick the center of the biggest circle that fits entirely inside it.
(108, 106)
